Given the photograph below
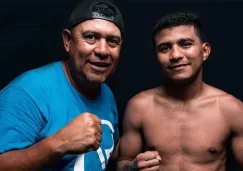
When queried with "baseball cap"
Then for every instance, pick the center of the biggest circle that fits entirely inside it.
(96, 9)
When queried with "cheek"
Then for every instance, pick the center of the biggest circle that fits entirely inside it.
(162, 59)
(114, 65)
(194, 54)
(81, 54)
(115, 54)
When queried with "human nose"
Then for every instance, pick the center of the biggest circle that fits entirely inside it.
(102, 49)
(176, 54)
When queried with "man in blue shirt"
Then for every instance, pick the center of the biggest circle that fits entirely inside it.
(62, 116)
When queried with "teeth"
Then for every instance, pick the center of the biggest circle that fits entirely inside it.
(100, 64)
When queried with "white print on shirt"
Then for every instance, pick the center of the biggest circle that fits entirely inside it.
(79, 164)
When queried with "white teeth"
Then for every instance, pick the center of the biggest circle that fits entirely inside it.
(100, 64)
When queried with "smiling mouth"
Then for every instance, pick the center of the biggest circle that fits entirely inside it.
(177, 66)
(99, 66)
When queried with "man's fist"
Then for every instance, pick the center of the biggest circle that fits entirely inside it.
(148, 161)
(81, 135)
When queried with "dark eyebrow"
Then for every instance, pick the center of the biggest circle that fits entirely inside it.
(89, 32)
(186, 39)
(114, 37)
(179, 41)
(97, 33)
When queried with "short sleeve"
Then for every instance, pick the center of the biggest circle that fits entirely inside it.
(20, 119)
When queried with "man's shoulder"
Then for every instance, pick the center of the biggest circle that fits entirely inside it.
(33, 79)
(229, 104)
(232, 109)
(36, 74)
(222, 96)
(146, 97)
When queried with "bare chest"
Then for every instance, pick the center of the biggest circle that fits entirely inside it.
(197, 132)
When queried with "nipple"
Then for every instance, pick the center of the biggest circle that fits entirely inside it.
(212, 150)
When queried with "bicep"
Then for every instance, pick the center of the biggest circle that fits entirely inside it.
(131, 142)
(236, 121)
(237, 148)
(20, 120)
(130, 145)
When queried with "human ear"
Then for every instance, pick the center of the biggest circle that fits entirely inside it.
(67, 38)
(206, 48)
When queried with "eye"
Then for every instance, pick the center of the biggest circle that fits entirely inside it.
(186, 44)
(90, 38)
(113, 42)
(163, 49)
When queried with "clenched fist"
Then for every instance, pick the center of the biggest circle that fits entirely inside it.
(148, 161)
(81, 135)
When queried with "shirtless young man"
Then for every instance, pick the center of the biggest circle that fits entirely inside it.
(183, 125)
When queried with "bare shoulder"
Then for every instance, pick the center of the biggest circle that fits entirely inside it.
(145, 98)
(229, 105)
(215, 92)
(227, 101)
(141, 104)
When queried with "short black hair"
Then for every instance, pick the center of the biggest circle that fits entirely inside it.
(177, 19)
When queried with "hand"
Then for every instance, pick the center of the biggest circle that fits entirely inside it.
(81, 135)
(148, 161)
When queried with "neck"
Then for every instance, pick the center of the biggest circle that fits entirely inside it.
(84, 87)
(187, 91)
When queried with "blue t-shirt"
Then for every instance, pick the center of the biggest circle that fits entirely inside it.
(40, 102)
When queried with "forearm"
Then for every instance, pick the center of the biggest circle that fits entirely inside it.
(126, 165)
(36, 157)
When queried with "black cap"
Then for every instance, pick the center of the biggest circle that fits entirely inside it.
(89, 9)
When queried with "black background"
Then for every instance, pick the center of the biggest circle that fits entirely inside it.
(30, 36)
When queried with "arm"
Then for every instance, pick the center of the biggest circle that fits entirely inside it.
(20, 124)
(234, 111)
(237, 138)
(131, 141)
(36, 157)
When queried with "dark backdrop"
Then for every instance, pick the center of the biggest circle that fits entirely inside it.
(30, 36)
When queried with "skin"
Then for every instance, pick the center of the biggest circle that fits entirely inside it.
(184, 124)
(93, 49)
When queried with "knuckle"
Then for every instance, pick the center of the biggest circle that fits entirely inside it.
(139, 165)
(139, 156)
(100, 138)
(92, 142)
(85, 114)
(95, 145)
(93, 132)
(91, 123)
(88, 115)
(148, 152)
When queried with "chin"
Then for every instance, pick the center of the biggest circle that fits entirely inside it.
(179, 80)
(96, 79)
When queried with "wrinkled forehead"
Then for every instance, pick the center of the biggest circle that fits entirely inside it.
(101, 26)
